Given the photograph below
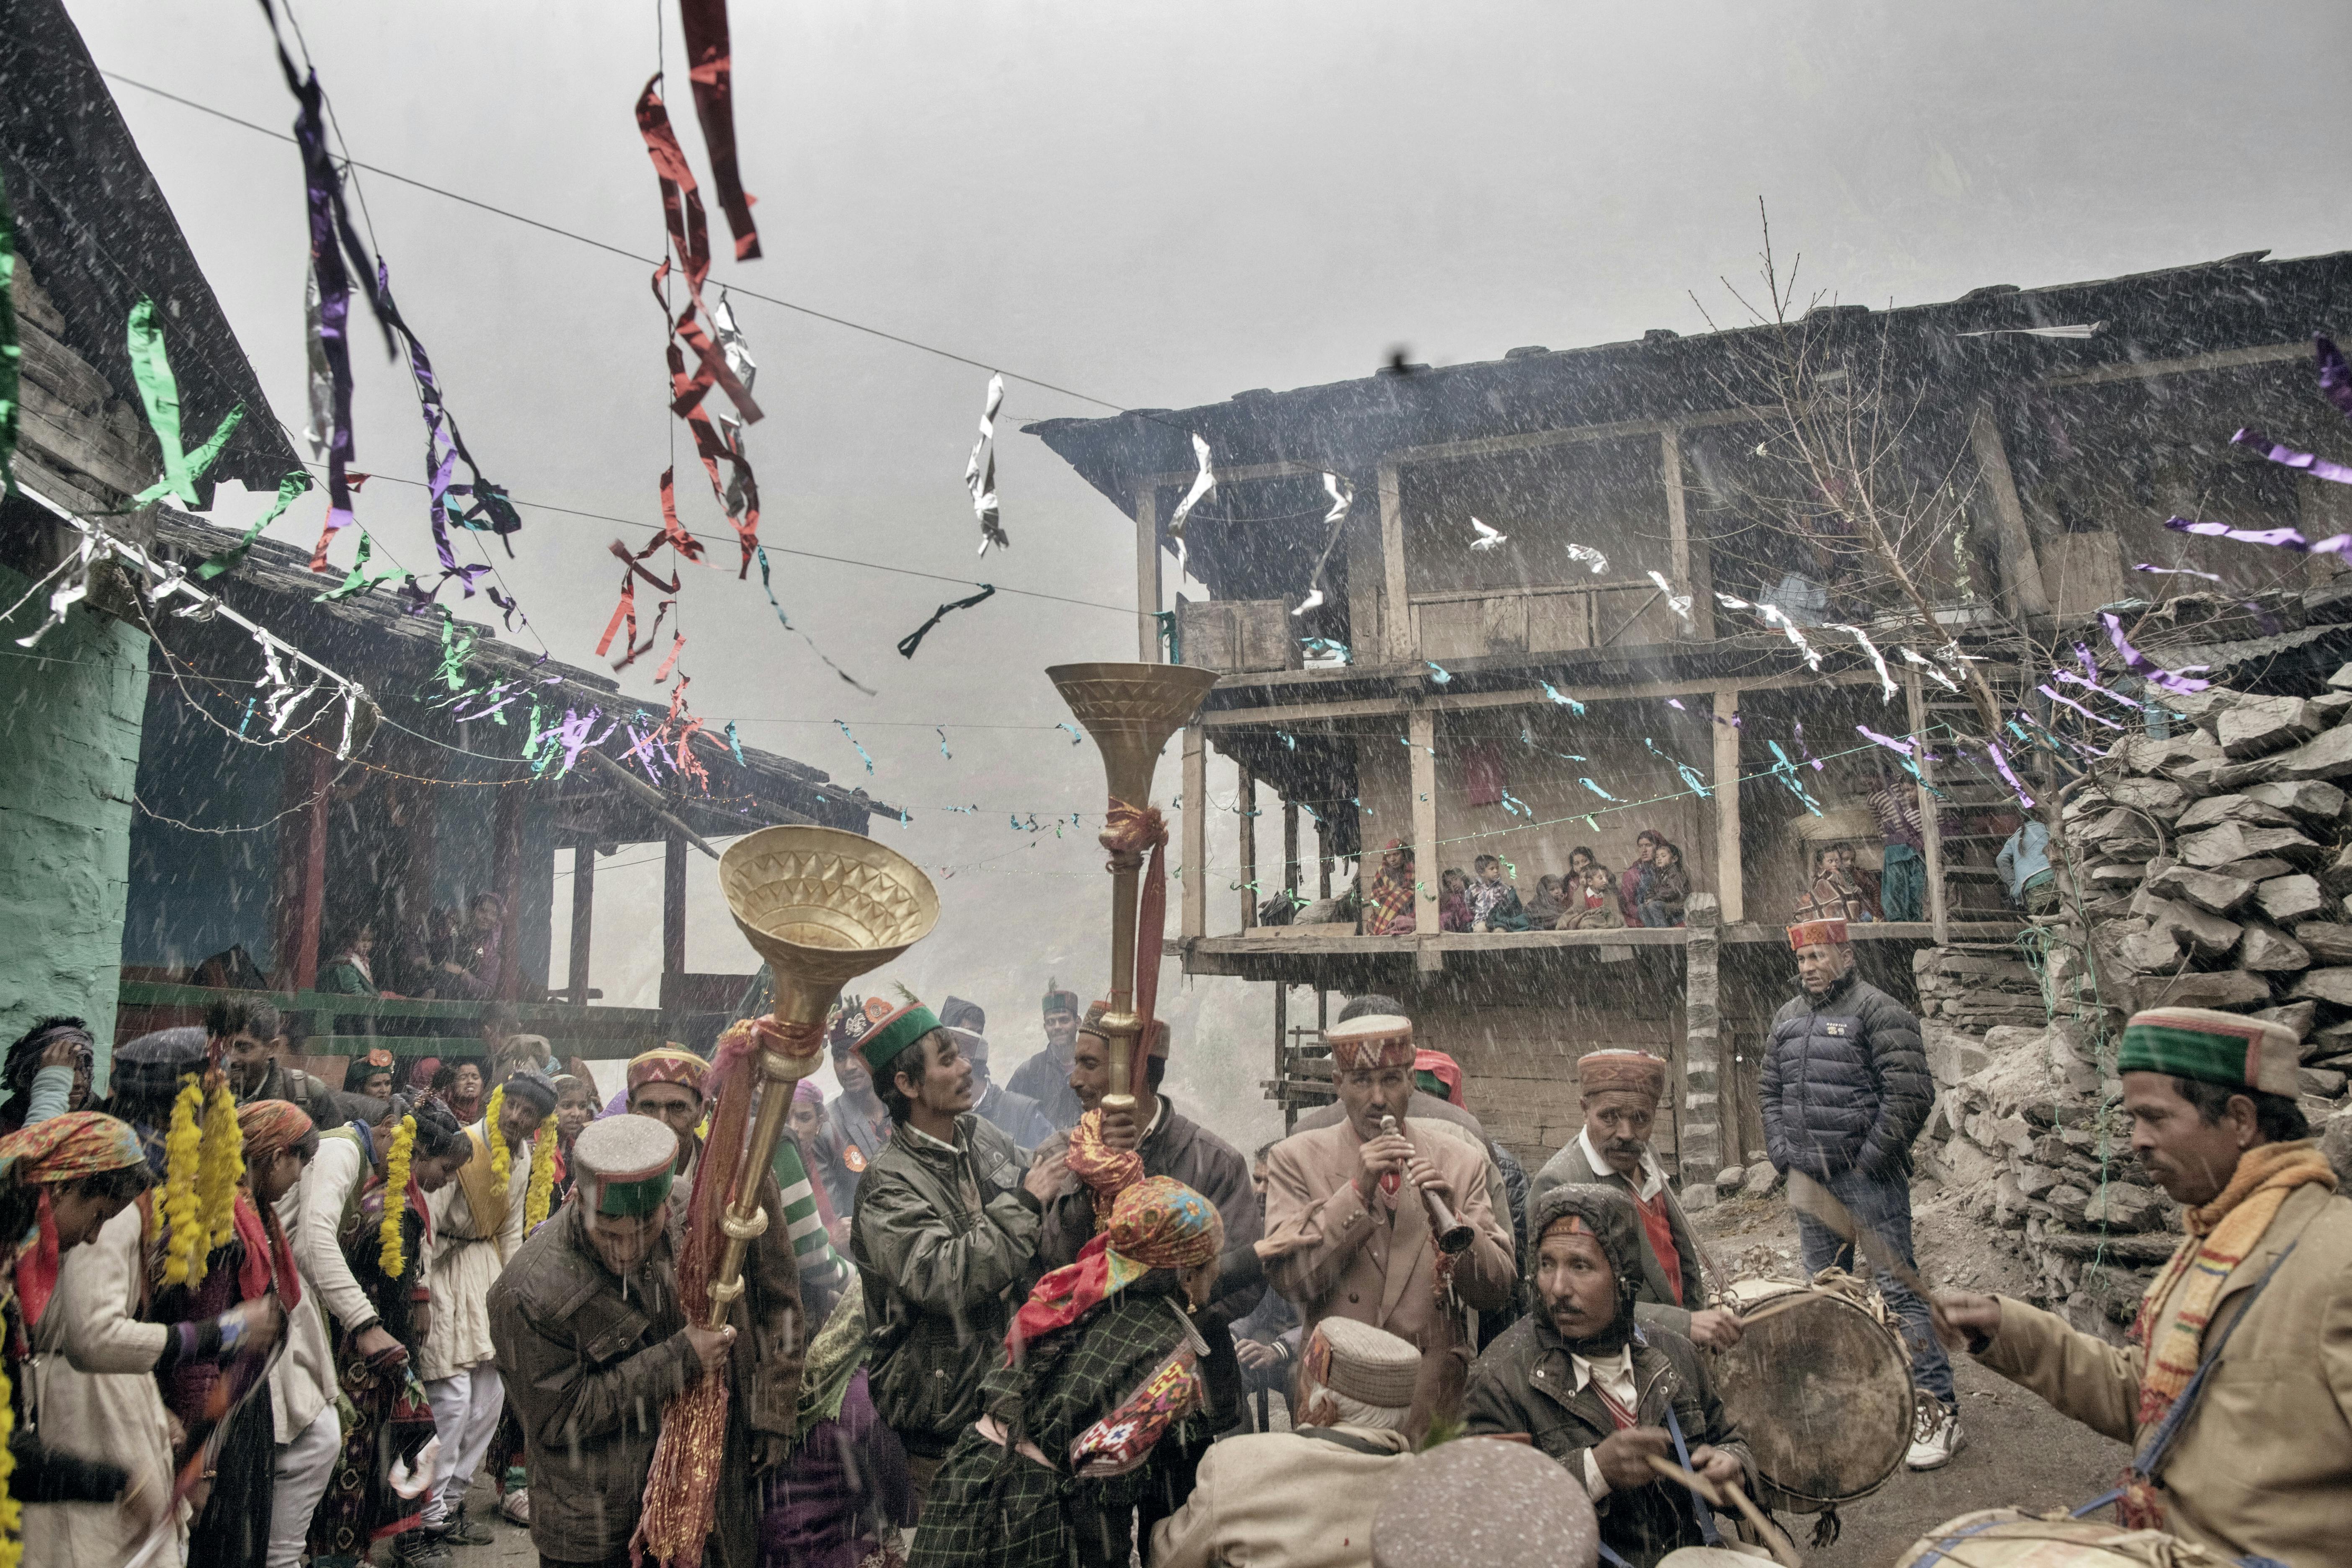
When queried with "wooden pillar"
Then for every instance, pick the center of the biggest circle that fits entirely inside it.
(674, 906)
(1687, 578)
(2023, 595)
(1421, 729)
(1147, 575)
(1729, 877)
(1290, 850)
(1322, 856)
(506, 879)
(1931, 817)
(1396, 613)
(1281, 1029)
(1194, 897)
(1245, 806)
(583, 915)
(301, 869)
(1698, 1144)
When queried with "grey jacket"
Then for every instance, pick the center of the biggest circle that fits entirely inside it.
(942, 1239)
(1656, 1303)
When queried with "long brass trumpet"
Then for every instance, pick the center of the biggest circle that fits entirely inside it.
(1452, 1234)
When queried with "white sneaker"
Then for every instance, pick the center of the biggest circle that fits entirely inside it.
(1934, 1433)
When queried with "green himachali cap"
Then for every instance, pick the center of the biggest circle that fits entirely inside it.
(2206, 1046)
(629, 1159)
(893, 1035)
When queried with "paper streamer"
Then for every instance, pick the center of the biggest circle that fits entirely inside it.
(327, 335)
(1439, 672)
(159, 393)
(1886, 682)
(1928, 668)
(1202, 483)
(1691, 777)
(1596, 789)
(1992, 749)
(294, 484)
(1680, 604)
(2335, 378)
(1772, 617)
(2286, 457)
(1900, 748)
(2147, 668)
(2176, 571)
(1318, 647)
(711, 69)
(853, 740)
(982, 482)
(357, 582)
(943, 742)
(1785, 771)
(1593, 560)
(1076, 738)
(632, 568)
(1570, 703)
(1342, 497)
(2076, 330)
(914, 640)
(1489, 538)
(2052, 693)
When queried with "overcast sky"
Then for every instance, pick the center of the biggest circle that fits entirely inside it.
(1159, 206)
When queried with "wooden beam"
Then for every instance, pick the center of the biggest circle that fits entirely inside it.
(1488, 445)
(1421, 729)
(673, 906)
(1305, 714)
(1931, 817)
(1147, 573)
(2020, 569)
(1396, 613)
(1290, 847)
(1670, 461)
(1322, 856)
(2149, 370)
(1728, 878)
(506, 877)
(1194, 921)
(584, 916)
(1246, 809)
(301, 869)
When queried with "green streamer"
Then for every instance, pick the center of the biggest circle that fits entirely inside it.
(158, 391)
(359, 582)
(9, 352)
(229, 560)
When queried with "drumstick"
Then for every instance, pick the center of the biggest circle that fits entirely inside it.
(1713, 1494)
(1810, 1197)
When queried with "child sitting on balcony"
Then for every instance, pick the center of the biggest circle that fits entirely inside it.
(1594, 907)
(1454, 900)
(1495, 903)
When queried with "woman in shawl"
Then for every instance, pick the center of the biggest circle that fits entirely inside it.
(1388, 897)
(349, 973)
(1634, 882)
(369, 1280)
(842, 1498)
(1110, 1392)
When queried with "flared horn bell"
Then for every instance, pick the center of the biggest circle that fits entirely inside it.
(822, 906)
(1130, 709)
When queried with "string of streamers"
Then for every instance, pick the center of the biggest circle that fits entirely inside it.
(980, 479)
(1204, 483)
(2147, 668)
(1786, 772)
(914, 640)
(1570, 703)
(632, 568)
(1342, 496)
(2176, 571)
(711, 69)
(1928, 668)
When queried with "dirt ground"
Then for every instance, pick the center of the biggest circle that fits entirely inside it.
(2018, 1451)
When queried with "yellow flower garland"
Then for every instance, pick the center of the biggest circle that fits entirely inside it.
(222, 1164)
(184, 1249)
(394, 1256)
(12, 1512)
(501, 1157)
(540, 1195)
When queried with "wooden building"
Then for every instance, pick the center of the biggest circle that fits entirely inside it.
(1433, 696)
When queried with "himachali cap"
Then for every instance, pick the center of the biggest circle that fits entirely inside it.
(670, 1064)
(1058, 1000)
(1375, 1040)
(628, 1159)
(1597, 1072)
(1490, 1501)
(2213, 1047)
(1093, 1026)
(885, 1041)
(1814, 934)
(1363, 1362)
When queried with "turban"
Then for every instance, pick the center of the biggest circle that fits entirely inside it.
(1607, 1216)
(1093, 1026)
(627, 1160)
(886, 1039)
(1158, 1223)
(2204, 1046)
(61, 1148)
(1361, 1364)
(1058, 1000)
(1485, 1500)
(1374, 1040)
(1436, 1073)
(1638, 1072)
(270, 1128)
(809, 1089)
(670, 1064)
(1812, 933)
(534, 1086)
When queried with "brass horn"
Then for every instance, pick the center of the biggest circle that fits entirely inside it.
(1130, 709)
(822, 906)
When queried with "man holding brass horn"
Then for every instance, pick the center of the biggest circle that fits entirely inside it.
(1345, 1236)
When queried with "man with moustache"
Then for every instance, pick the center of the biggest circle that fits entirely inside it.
(1621, 1091)
(2235, 1384)
(1046, 1077)
(1600, 1394)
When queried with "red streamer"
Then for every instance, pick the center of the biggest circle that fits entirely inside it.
(712, 73)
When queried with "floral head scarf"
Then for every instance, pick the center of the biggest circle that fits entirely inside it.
(62, 1148)
(1158, 1223)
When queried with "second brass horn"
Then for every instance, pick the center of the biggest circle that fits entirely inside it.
(1130, 709)
(822, 906)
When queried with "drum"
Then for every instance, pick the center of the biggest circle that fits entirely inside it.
(2004, 1538)
(1820, 1387)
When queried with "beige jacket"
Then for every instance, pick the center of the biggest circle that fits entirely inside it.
(303, 1383)
(2264, 1464)
(1285, 1499)
(462, 1265)
(1332, 1255)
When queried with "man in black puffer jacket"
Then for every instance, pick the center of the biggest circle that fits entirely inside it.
(1845, 1089)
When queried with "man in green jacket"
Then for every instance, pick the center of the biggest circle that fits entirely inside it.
(943, 1234)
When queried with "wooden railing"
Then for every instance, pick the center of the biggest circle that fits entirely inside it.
(1471, 622)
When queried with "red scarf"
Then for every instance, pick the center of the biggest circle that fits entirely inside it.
(267, 1259)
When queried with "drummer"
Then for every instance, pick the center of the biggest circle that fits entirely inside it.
(1621, 1091)
(1575, 1378)
(2262, 1463)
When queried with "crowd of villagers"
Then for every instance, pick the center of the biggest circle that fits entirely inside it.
(1653, 891)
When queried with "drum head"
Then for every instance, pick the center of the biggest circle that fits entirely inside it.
(1821, 1391)
(2004, 1538)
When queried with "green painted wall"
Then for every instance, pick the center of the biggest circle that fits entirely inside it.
(70, 711)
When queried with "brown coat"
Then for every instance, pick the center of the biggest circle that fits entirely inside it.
(2264, 1464)
(1333, 1255)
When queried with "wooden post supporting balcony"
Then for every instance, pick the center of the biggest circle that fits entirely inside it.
(1931, 817)
(1147, 575)
(1421, 729)
(506, 878)
(1322, 856)
(1245, 804)
(1726, 808)
(674, 905)
(301, 869)
(1396, 613)
(1290, 850)
(1194, 895)
(583, 915)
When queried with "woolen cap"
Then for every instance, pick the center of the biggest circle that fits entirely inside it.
(1815, 933)
(1367, 1364)
(1374, 1040)
(628, 1158)
(1486, 1500)
(2206, 1046)
(668, 1064)
(885, 1041)
(1638, 1071)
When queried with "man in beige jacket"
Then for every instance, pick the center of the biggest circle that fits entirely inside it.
(1305, 1498)
(1346, 1236)
(2257, 1301)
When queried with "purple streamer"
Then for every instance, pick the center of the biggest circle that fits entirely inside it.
(2286, 457)
(2071, 678)
(1900, 748)
(2147, 668)
(2282, 538)
(1804, 752)
(2051, 692)
(2179, 570)
(1992, 749)
(2335, 376)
